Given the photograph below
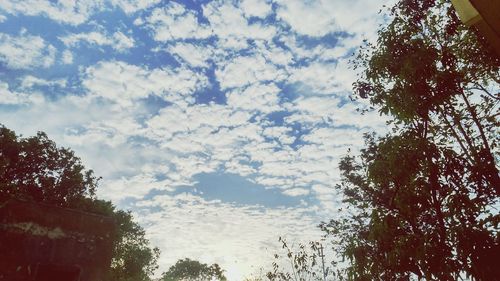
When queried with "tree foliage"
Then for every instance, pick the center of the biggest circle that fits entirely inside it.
(422, 199)
(35, 169)
(191, 270)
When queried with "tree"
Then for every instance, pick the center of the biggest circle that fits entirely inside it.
(35, 169)
(422, 199)
(305, 263)
(190, 270)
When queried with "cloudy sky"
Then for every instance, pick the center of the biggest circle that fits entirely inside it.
(220, 124)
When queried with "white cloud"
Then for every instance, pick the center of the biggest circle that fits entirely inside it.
(67, 57)
(132, 6)
(70, 12)
(2, 18)
(314, 110)
(204, 138)
(175, 120)
(256, 8)
(226, 21)
(26, 51)
(8, 97)
(310, 111)
(201, 135)
(371, 119)
(29, 81)
(174, 22)
(231, 27)
(136, 186)
(243, 71)
(307, 17)
(320, 53)
(339, 137)
(124, 83)
(320, 17)
(121, 42)
(117, 41)
(317, 78)
(283, 134)
(274, 54)
(194, 55)
(296, 192)
(257, 97)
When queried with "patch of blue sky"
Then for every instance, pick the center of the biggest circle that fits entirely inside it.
(51, 92)
(233, 188)
(197, 6)
(278, 117)
(298, 131)
(289, 91)
(42, 26)
(212, 93)
(75, 130)
(143, 56)
(141, 141)
(330, 40)
(10, 75)
(12, 108)
(152, 105)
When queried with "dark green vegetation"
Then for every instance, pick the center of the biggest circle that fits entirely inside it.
(422, 198)
(422, 201)
(190, 270)
(35, 169)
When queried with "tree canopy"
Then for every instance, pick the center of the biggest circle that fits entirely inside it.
(35, 169)
(191, 270)
(422, 199)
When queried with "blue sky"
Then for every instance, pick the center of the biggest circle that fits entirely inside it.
(220, 124)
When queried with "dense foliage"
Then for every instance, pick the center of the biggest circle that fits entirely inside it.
(191, 270)
(423, 200)
(35, 169)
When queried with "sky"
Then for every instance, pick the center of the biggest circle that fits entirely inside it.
(219, 124)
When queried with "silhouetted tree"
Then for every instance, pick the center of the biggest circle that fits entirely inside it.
(35, 169)
(190, 270)
(422, 199)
